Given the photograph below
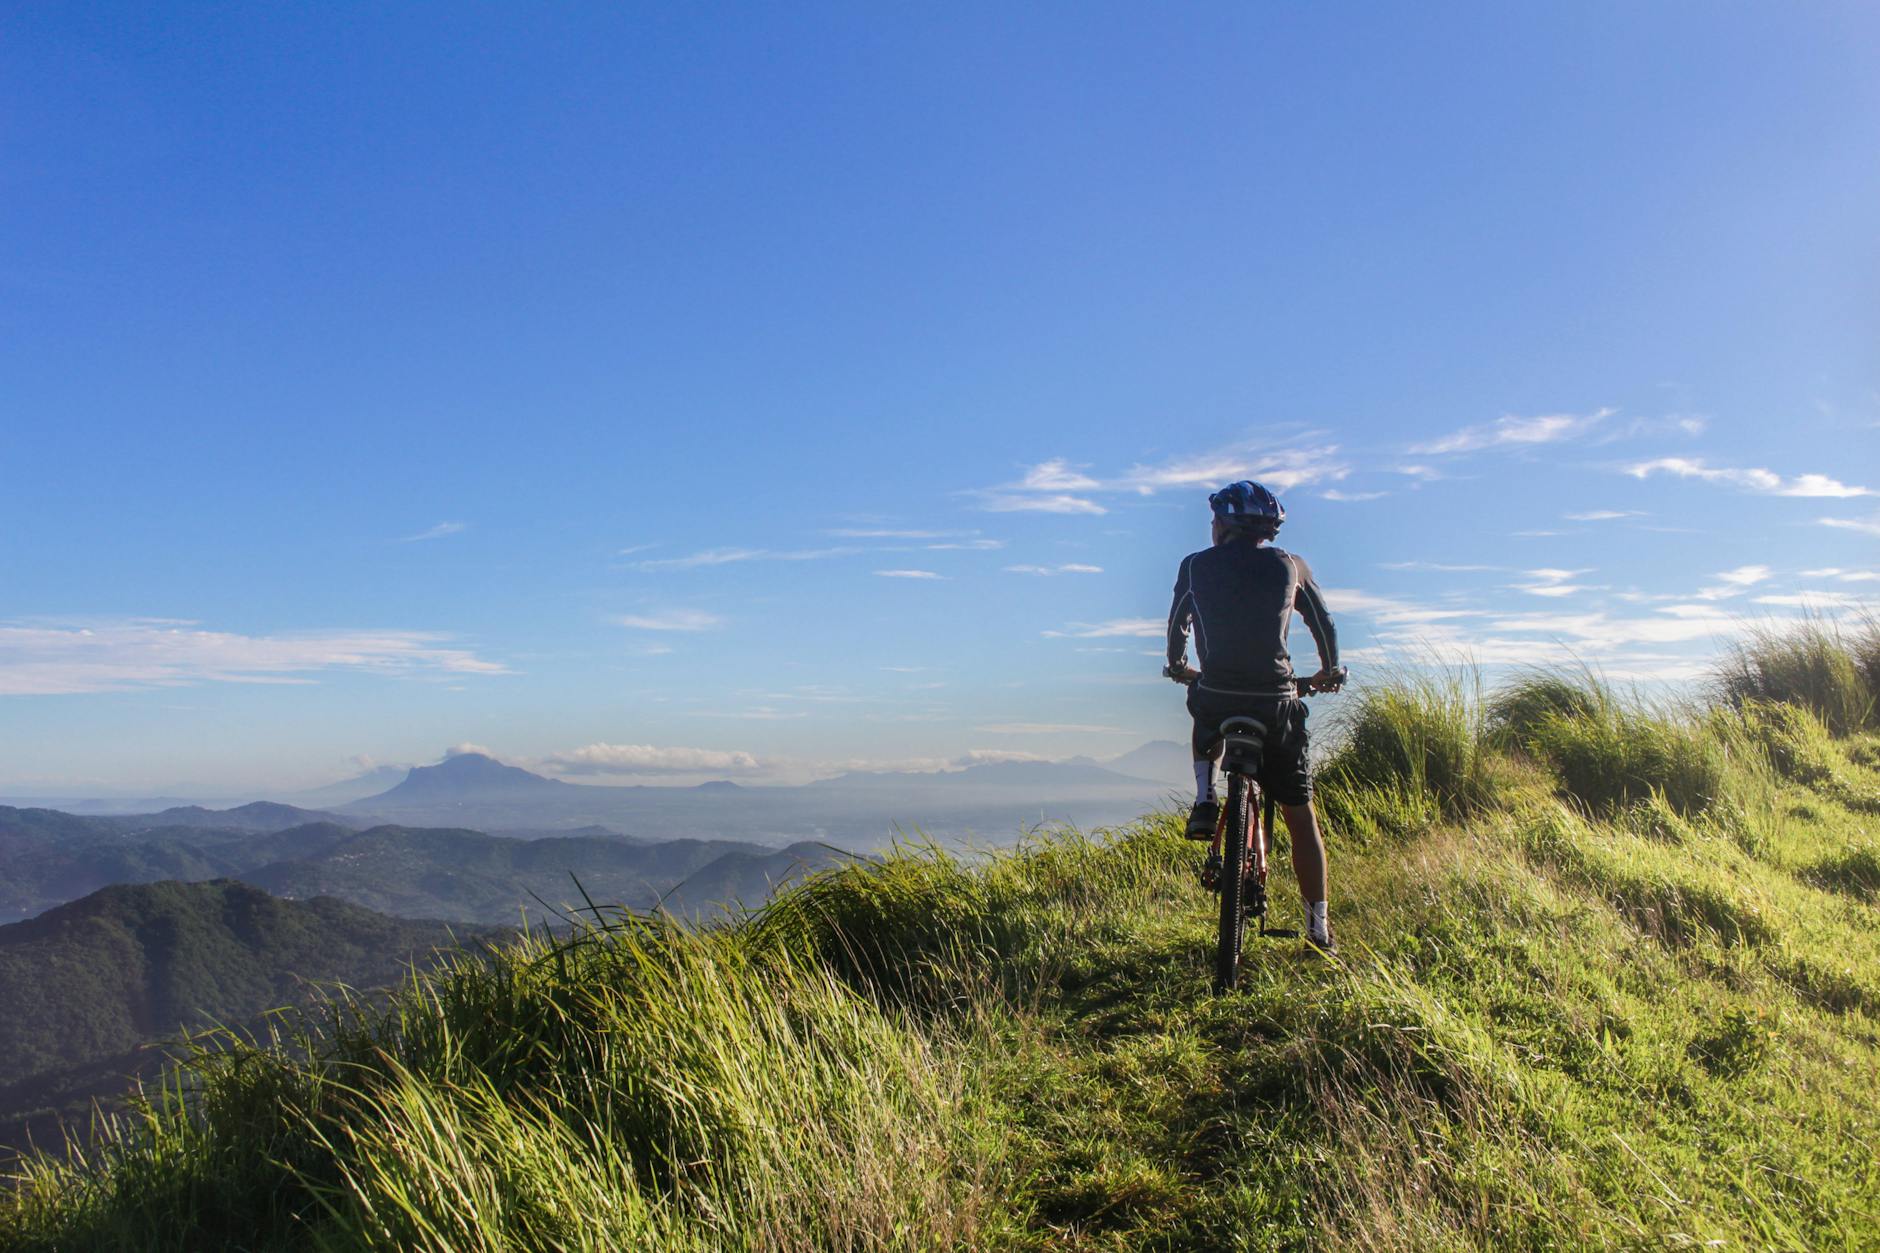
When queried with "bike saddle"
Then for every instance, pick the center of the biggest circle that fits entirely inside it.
(1245, 740)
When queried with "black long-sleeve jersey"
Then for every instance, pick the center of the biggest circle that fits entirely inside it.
(1240, 596)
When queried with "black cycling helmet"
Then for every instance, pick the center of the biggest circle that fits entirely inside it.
(1247, 506)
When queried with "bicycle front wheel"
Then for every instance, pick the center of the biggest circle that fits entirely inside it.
(1233, 887)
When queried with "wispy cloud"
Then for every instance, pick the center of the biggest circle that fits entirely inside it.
(908, 574)
(1551, 582)
(648, 759)
(1389, 609)
(1145, 628)
(1752, 479)
(436, 532)
(1845, 576)
(1866, 526)
(671, 620)
(1071, 567)
(1734, 582)
(1061, 486)
(1514, 432)
(733, 556)
(61, 658)
(1332, 493)
(995, 501)
(1814, 599)
(1057, 475)
(1602, 515)
(1281, 468)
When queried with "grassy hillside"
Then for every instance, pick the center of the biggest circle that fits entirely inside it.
(1611, 978)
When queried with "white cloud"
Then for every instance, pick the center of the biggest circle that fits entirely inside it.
(1332, 493)
(1745, 576)
(436, 532)
(1388, 609)
(648, 759)
(1146, 628)
(1597, 631)
(1057, 475)
(1866, 526)
(1057, 486)
(1548, 581)
(1734, 582)
(61, 658)
(1602, 515)
(1515, 432)
(909, 574)
(1278, 468)
(732, 556)
(1845, 576)
(467, 749)
(1814, 600)
(1753, 479)
(671, 620)
(1007, 502)
(1071, 567)
(969, 545)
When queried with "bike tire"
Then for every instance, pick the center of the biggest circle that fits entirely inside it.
(1233, 887)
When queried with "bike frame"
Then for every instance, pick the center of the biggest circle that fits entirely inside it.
(1242, 841)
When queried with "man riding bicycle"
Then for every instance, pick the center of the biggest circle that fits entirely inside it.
(1240, 595)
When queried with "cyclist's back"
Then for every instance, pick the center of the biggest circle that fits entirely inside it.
(1239, 596)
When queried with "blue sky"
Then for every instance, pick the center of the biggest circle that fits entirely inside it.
(658, 394)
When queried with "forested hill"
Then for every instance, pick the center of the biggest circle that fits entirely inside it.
(87, 984)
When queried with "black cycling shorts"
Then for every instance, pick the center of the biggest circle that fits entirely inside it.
(1283, 773)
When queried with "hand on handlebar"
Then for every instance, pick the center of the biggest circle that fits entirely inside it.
(1323, 681)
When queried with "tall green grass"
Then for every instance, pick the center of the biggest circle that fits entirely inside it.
(633, 1085)
(1408, 752)
(1607, 751)
(1831, 672)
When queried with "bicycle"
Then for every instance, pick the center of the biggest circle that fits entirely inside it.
(1236, 865)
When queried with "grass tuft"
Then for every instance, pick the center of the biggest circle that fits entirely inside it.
(1813, 665)
(1411, 737)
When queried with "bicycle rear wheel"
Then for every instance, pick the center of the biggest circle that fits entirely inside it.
(1233, 886)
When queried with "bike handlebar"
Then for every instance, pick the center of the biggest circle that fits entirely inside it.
(1304, 686)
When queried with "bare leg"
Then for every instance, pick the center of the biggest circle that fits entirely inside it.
(1308, 850)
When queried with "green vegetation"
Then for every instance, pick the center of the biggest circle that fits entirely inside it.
(1832, 673)
(1611, 980)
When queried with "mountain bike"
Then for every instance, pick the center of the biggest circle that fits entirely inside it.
(1236, 866)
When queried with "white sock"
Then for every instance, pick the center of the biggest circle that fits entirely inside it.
(1204, 781)
(1316, 920)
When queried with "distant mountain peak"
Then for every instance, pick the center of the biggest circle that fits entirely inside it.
(464, 776)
